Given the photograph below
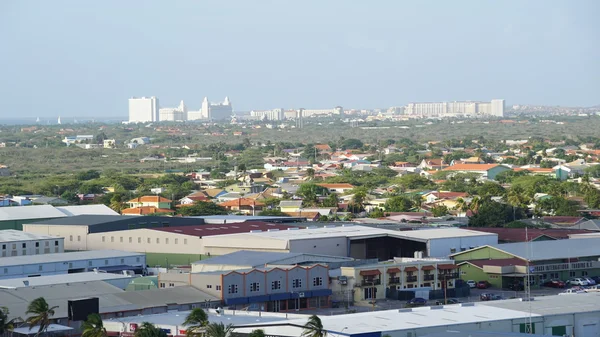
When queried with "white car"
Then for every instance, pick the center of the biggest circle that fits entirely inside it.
(578, 282)
(573, 291)
(472, 284)
(590, 281)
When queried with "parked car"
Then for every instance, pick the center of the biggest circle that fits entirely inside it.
(516, 286)
(596, 279)
(573, 291)
(416, 302)
(593, 289)
(554, 283)
(483, 285)
(472, 284)
(447, 301)
(577, 282)
(486, 296)
(590, 281)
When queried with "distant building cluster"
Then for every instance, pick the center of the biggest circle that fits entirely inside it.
(494, 108)
(147, 109)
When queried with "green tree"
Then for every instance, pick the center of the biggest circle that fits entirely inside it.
(461, 205)
(314, 328)
(398, 204)
(93, 327)
(331, 200)
(6, 325)
(202, 208)
(439, 210)
(376, 213)
(195, 322)
(592, 198)
(219, 330)
(257, 333)
(147, 329)
(310, 172)
(490, 189)
(413, 181)
(40, 313)
(309, 193)
(494, 214)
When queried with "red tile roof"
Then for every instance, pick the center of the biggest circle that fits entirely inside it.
(146, 210)
(221, 229)
(241, 202)
(370, 272)
(341, 185)
(150, 198)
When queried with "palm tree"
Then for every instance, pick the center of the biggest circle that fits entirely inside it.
(93, 327)
(462, 206)
(257, 333)
(314, 328)
(195, 322)
(149, 330)
(219, 330)
(41, 314)
(6, 324)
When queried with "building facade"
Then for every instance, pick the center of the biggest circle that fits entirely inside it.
(17, 243)
(286, 288)
(143, 109)
(450, 109)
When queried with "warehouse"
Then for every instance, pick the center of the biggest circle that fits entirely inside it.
(359, 242)
(74, 262)
(76, 229)
(118, 280)
(506, 264)
(15, 217)
(576, 315)
(17, 243)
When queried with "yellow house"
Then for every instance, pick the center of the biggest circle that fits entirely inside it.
(290, 206)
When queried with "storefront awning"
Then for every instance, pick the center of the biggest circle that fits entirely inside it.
(427, 268)
(447, 266)
(411, 269)
(372, 272)
(393, 270)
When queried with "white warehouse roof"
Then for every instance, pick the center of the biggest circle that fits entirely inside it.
(30, 212)
(11, 235)
(87, 210)
(15, 283)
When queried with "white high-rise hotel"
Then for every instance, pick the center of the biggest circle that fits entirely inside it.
(143, 109)
(448, 109)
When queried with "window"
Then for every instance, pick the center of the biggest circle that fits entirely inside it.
(297, 283)
(162, 285)
(157, 240)
(137, 259)
(47, 243)
(171, 284)
(40, 267)
(106, 262)
(317, 281)
(78, 237)
(232, 289)
(122, 261)
(121, 239)
(527, 328)
(130, 239)
(176, 241)
(167, 241)
(254, 286)
(139, 240)
(218, 287)
(148, 240)
(185, 241)
(112, 239)
(452, 250)
(209, 286)
(571, 274)
(3, 247)
(584, 273)
(70, 237)
(103, 239)
(37, 244)
(70, 265)
(89, 263)
(553, 275)
(275, 285)
(23, 245)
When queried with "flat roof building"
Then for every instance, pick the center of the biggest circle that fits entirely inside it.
(17, 243)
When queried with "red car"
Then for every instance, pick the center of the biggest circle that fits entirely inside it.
(483, 285)
(554, 284)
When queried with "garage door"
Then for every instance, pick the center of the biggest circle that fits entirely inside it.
(589, 330)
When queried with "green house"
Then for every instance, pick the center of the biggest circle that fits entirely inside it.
(505, 264)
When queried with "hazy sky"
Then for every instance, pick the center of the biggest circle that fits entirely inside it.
(86, 58)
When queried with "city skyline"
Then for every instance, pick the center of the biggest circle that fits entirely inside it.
(309, 55)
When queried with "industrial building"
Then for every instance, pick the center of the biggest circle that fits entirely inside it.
(576, 315)
(118, 280)
(74, 262)
(358, 242)
(15, 217)
(17, 243)
(505, 264)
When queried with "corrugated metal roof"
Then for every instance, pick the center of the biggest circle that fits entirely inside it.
(30, 212)
(87, 210)
(254, 259)
(552, 250)
(220, 229)
(10, 235)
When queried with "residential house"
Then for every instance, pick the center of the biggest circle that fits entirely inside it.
(192, 199)
(243, 205)
(290, 206)
(146, 210)
(436, 195)
(155, 201)
(432, 164)
(487, 171)
(337, 188)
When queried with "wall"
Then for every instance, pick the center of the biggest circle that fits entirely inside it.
(146, 240)
(225, 244)
(470, 272)
(441, 247)
(161, 259)
(45, 246)
(484, 253)
(326, 246)
(18, 224)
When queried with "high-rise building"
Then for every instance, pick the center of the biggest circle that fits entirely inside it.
(217, 111)
(271, 115)
(454, 109)
(143, 109)
(179, 113)
(498, 107)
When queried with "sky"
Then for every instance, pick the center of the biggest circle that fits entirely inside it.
(86, 58)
